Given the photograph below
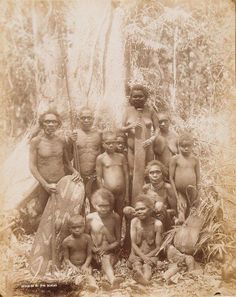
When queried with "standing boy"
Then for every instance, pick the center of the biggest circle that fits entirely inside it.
(112, 172)
(104, 227)
(185, 177)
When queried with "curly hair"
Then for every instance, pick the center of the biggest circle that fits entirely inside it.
(186, 137)
(50, 111)
(75, 220)
(163, 168)
(105, 195)
(139, 87)
(146, 200)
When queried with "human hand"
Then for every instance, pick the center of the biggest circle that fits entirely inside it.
(147, 143)
(76, 177)
(85, 269)
(50, 188)
(73, 268)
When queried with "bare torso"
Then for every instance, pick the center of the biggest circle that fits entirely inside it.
(145, 235)
(50, 158)
(113, 173)
(185, 173)
(102, 230)
(132, 116)
(89, 147)
(77, 248)
(165, 146)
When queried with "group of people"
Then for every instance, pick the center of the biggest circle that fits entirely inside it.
(106, 163)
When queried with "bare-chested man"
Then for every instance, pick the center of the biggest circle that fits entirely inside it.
(112, 172)
(165, 142)
(48, 154)
(104, 228)
(88, 141)
(146, 238)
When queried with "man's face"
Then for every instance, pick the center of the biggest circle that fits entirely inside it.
(142, 210)
(138, 98)
(50, 124)
(86, 120)
(109, 144)
(155, 174)
(77, 228)
(102, 207)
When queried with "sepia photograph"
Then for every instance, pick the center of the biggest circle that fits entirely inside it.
(117, 148)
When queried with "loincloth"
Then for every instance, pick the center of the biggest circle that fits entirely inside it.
(113, 256)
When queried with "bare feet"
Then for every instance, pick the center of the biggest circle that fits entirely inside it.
(139, 278)
(116, 283)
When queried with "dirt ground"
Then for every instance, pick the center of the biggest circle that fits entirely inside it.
(15, 281)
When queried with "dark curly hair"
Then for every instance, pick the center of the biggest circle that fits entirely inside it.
(163, 168)
(139, 87)
(42, 116)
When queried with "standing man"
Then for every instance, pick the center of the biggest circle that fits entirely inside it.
(89, 142)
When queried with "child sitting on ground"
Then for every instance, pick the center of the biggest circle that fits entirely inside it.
(104, 228)
(146, 238)
(185, 177)
(77, 250)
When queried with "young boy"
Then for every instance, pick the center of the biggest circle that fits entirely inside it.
(104, 228)
(112, 172)
(165, 142)
(121, 143)
(77, 250)
(146, 238)
(185, 177)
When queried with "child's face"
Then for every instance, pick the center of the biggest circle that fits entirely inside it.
(142, 211)
(120, 144)
(110, 144)
(77, 228)
(102, 207)
(186, 147)
(155, 174)
(164, 123)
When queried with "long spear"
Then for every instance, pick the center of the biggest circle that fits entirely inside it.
(64, 70)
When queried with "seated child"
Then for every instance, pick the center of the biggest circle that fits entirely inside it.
(104, 228)
(146, 239)
(112, 172)
(185, 177)
(77, 250)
